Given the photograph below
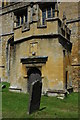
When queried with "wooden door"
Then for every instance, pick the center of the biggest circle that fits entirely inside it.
(33, 75)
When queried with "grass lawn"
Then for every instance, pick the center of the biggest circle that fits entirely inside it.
(15, 105)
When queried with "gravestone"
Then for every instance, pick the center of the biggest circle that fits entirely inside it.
(35, 96)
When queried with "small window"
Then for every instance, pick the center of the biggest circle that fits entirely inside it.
(43, 16)
(18, 20)
(22, 19)
(53, 11)
(25, 17)
(49, 12)
(21, 16)
(4, 3)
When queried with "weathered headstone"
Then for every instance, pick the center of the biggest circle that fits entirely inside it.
(35, 96)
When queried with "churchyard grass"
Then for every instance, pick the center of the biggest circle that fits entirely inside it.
(15, 105)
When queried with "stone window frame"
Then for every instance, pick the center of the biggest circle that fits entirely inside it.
(21, 17)
(6, 3)
(49, 9)
(43, 16)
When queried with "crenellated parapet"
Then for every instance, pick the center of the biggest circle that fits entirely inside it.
(39, 19)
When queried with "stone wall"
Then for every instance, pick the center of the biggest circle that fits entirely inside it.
(5, 57)
(7, 31)
(72, 11)
(52, 71)
(7, 23)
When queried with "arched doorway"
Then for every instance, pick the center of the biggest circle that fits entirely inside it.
(34, 74)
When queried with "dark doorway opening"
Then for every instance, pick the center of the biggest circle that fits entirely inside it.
(66, 79)
(34, 74)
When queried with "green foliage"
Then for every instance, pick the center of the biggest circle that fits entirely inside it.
(15, 105)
